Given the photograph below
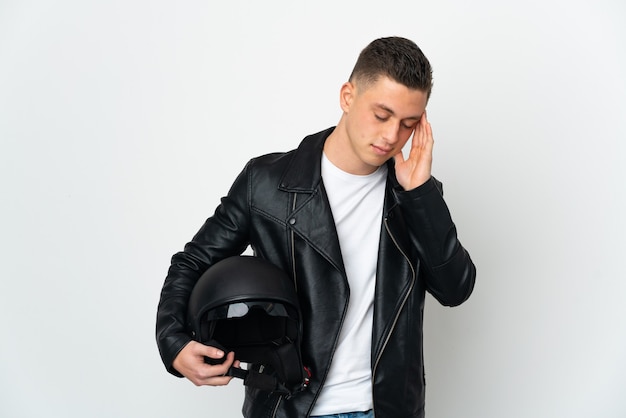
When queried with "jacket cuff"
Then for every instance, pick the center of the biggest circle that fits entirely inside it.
(171, 349)
(420, 191)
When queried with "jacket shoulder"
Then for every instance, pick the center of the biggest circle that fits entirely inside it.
(298, 170)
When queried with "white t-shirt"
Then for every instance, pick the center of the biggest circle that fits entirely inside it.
(357, 206)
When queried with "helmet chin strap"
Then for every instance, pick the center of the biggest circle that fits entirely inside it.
(266, 382)
(258, 379)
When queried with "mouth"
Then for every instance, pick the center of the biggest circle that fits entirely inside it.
(381, 150)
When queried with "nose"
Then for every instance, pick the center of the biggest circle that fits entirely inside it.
(391, 132)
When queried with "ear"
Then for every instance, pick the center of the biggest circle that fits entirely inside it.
(346, 96)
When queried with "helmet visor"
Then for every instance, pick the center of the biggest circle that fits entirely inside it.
(241, 309)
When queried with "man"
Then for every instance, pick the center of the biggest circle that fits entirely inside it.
(363, 232)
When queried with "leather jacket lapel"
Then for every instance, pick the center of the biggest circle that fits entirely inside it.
(313, 221)
(311, 217)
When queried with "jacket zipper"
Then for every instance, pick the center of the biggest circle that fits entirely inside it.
(406, 297)
(276, 407)
(293, 246)
(295, 282)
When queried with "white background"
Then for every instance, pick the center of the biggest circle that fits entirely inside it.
(122, 123)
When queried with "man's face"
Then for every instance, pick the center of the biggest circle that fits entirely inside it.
(380, 119)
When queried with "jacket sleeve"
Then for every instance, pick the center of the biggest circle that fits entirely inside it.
(224, 234)
(448, 270)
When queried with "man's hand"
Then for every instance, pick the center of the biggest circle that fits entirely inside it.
(190, 363)
(415, 170)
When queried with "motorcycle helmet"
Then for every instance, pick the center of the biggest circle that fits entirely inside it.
(248, 305)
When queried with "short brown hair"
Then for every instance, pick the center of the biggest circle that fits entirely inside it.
(397, 58)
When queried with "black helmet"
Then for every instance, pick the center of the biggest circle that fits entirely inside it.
(247, 305)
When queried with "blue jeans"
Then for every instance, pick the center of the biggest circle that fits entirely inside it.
(366, 414)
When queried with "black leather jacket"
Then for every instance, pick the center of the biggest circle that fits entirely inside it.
(278, 206)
